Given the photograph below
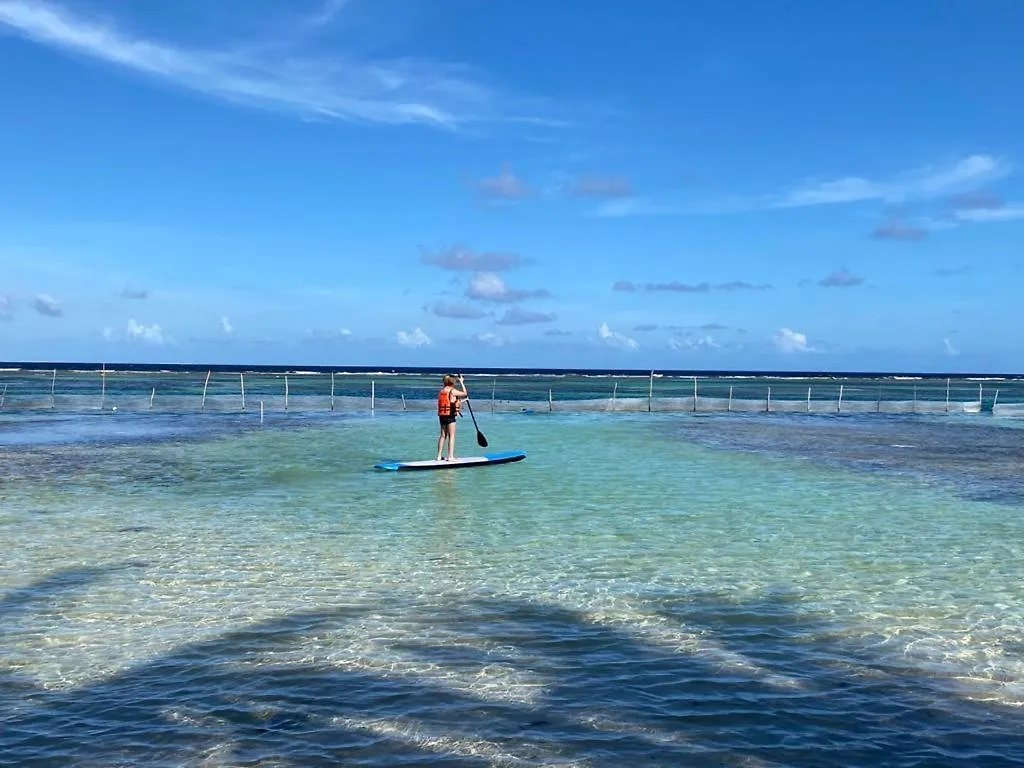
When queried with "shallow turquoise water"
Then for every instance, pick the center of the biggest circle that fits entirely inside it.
(643, 590)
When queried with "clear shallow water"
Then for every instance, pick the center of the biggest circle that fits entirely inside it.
(688, 591)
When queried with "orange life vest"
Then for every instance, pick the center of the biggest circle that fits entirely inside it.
(445, 406)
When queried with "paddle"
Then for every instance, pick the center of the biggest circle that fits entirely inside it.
(480, 439)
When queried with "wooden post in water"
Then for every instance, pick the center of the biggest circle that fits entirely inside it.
(995, 400)
(206, 384)
(839, 405)
(878, 403)
(53, 386)
(730, 399)
(913, 406)
(241, 381)
(103, 385)
(808, 399)
(615, 387)
(768, 402)
(261, 413)
(551, 401)
(373, 394)
(650, 392)
(332, 390)
(494, 386)
(694, 394)
(403, 402)
(947, 395)
(286, 393)
(3, 396)
(151, 396)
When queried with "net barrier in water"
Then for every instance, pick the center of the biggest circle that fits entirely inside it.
(306, 391)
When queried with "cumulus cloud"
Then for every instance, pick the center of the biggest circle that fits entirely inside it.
(505, 186)
(47, 305)
(414, 338)
(487, 286)
(841, 278)
(517, 316)
(151, 334)
(615, 339)
(594, 185)
(789, 341)
(461, 257)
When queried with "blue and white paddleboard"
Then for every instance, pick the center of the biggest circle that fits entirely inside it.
(462, 461)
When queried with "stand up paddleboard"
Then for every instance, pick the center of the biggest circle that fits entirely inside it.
(487, 460)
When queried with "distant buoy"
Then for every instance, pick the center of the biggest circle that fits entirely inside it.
(114, 408)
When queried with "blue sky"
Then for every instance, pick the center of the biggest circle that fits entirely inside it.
(466, 183)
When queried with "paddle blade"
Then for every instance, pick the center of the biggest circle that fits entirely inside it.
(480, 439)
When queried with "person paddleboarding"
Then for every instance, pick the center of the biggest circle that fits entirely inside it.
(449, 407)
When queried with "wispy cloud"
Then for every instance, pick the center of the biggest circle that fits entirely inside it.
(226, 326)
(487, 286)
(505, 186)
(645, 327)
(920, 184)
(458, 311)
(330, 334)
(47, 305)
(985, 215)
(790, 341)
(461, 257)
(557, 332)
(929, 183)
(490, 339)
(677, 287)
(595, 185)
(841, 278)
(517, 316)
(895, 228)
(395, 91)
(134, 293)
(947, 345)
(326, 13)
(413, 338)
(6, 308)
(616, 339)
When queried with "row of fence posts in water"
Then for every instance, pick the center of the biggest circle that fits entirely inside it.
(373, 394)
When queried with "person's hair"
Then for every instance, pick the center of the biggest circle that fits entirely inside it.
(449, 381)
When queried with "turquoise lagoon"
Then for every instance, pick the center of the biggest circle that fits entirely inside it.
(645, 589)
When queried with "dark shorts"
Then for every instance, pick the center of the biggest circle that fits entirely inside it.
(446, 420)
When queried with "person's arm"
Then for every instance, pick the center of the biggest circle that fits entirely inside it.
(462, 391)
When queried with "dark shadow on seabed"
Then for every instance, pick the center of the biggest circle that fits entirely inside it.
(608, 698)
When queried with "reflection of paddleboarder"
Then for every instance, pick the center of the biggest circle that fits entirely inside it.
(449, 406)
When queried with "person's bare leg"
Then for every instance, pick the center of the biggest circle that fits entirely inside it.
(451, 441)
(440, 441)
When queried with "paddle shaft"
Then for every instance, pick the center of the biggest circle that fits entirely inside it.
(480, 439)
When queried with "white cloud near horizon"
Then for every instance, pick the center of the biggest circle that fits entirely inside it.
(225, 324)
(789, 341)
(616, 339)
(395, 91)
(488, 286)
(414, 338)
(152, 334)
(950, 349)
